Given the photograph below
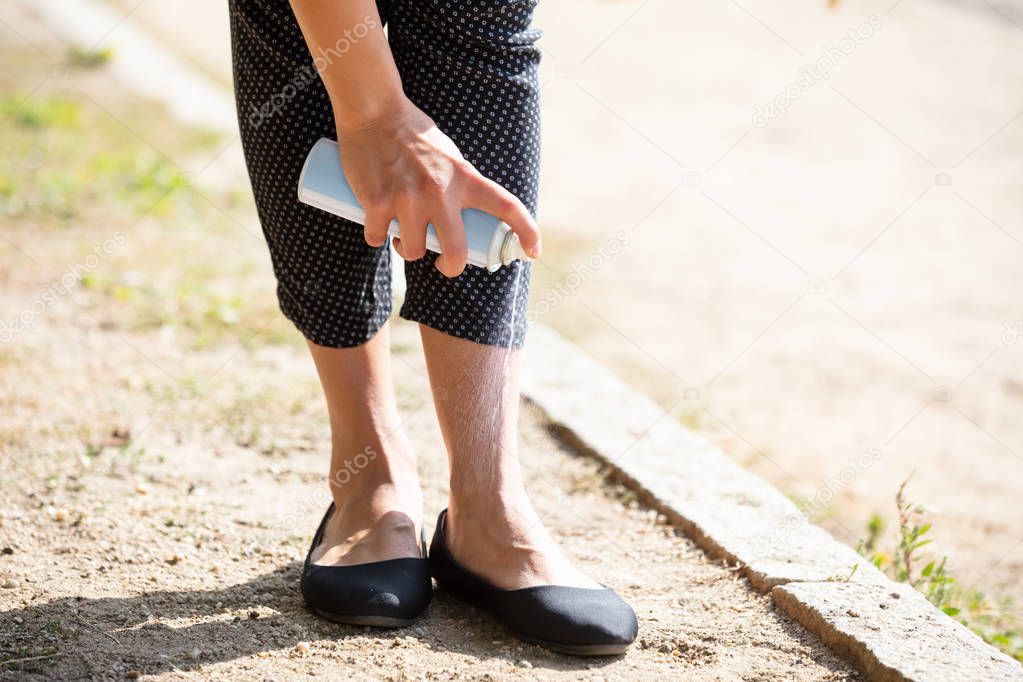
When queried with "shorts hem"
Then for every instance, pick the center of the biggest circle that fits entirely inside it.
(499, 339)
(327, 340)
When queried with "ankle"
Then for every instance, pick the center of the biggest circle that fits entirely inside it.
(494, 516)
(372, 473)
(478, 489)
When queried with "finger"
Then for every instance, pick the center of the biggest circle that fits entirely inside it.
(412, 225)
(375, 227)
(454, 252)
(490, 197)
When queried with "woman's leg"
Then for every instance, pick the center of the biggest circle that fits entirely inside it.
(472, 66)
(331, 284)
(491, 526)
(372, 477)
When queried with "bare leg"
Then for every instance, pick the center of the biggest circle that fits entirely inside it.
(492, 528)
(373, 477)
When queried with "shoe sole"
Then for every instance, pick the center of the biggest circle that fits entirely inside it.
(578, 649)
(371, 621)
(570, 649)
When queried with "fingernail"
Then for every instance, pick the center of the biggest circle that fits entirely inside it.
(536, 250)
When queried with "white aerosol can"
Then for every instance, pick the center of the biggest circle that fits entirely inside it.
(322, 184)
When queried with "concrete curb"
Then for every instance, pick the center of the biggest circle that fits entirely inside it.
(892, 632)
(732, 513)
(141, 62)
(888, 630)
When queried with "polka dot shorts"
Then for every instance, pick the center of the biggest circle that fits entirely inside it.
(472, 67)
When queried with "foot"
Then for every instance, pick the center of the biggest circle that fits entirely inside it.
(505, 543)
(378, 509)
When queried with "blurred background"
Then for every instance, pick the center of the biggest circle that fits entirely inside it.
(798, 227)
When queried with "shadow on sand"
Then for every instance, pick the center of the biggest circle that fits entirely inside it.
(110, 637)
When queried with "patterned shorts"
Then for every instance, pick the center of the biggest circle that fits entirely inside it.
(472, 67)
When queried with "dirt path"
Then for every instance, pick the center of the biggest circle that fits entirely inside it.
(179, 553)
(163, 444)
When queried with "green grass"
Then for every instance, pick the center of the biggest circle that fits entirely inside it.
(89, 59)
(65, 158)
(74, 174)
(902, 557)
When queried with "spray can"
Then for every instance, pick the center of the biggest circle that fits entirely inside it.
(322, 184)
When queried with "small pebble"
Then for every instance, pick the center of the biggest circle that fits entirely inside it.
(196, 653)
(142, 489)
(302, 647)
(10, 583)
(852, 614)
(8, 550)
(525, 664)
(132, 675)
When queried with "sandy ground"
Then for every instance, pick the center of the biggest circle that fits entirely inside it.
(164, 446)
(180, 556)
(841, 277)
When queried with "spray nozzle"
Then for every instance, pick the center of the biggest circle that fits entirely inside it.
(512, 249)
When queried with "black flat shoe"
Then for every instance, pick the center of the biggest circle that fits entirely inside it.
(386, 594)
(571, 620)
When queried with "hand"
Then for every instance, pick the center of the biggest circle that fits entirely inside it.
(401, 165)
